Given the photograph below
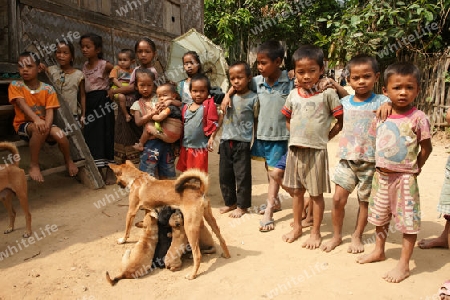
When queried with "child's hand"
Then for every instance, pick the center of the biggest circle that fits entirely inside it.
(211, 144)
(111, 94)
(326, 83)
(82, 121)
(41, 126)
(384, 111)
(226, 102)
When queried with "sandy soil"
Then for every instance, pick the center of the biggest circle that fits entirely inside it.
(76, 244)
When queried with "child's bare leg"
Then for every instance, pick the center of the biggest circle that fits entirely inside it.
(297, 206)
(144, 138)
(36, 141)
(378, 253)
(308, 214)
(401, 271)
(315, 238)
(63, 143)
(267, 221)
(443, 241)
(123, 106)
(357, 245)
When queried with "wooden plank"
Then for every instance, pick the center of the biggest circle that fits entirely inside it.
(13, 30)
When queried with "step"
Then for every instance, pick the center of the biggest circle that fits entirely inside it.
(79, 164)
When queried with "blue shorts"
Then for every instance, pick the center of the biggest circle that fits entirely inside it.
(269, 151)
(281, 164)
(158, 156)
(23, 133)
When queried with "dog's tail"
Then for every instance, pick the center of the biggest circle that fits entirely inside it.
(115, 280)
(192, 174)
(13, 149)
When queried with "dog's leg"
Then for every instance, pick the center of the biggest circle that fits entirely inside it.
(192, 228)
(22, 195)
(215, 228)
(132, 211)
(7, 201)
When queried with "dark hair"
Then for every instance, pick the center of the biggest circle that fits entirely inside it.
(272, 49)
(309, 52)
(128, 52)
(362, 59)
(197, 58)
(200, 77)
(34, 57)
(248, 72)
(71, 49)
(401, 68)
(172, 87)
(147, 40)
(96, 40)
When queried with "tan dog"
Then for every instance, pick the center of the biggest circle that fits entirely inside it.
(179, 243)
(147, 192)
(138, 261)
(13, 181)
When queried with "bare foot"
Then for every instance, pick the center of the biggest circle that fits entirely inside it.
(292, 235)
(128, 118)
(331, 245)
(356, 246)
(396, 275)
(305, 223)
(35, 173)
(237, 213)
(374, 256)
(433, 243)
(138, 147)
(72, 168)
(313, 242)
(226, 209)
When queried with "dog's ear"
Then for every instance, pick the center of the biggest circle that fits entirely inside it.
(116, 168)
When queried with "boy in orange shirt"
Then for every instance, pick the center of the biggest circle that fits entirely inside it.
(34, 104)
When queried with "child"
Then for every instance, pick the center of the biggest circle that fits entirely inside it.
(192, 66)
(158, 155)
(98, 117)
(235, 174)
(308, 115)
(356, 150)
(34, 105)
(120, 76)
(200, 126)
(170, 117)
(443, 208)
(444, 291)
(395, 191)
(67, 79)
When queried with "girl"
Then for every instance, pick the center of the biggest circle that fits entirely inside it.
(127, 133)
(157, 156)
(68, 80)
(97, 111)
(192, 66)
(200, 126)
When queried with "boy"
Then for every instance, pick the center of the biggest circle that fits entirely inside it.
(395, 192)
(120, 76)
(235, 173)
(34, 104)
(356, 150)
(308, 115)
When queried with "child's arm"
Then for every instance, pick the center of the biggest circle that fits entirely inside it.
(108, 67)
(116, 82)
(384, 111)
(326, 83)
(113, 76)
(337, 127)
(49, 114)
(425, 151)
(142, 120)
(82, 102)
(226, 102)
(27, 111)
(162, 115)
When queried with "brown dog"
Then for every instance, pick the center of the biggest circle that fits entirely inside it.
(179, 243)
(137, 262)
(13, 181)
(147, 192)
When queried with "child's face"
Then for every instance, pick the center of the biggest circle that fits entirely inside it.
(165, 93)
(145, 85)
(88, 48)
(362, 78)
(145, 53)
(124, 60)
(266, 66)
(28, 69)
(307, 73)
(63, 55)
(190, 65)
(199, 91)
(402, 90)
(239, 80)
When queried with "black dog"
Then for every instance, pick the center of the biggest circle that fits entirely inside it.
(164, 236)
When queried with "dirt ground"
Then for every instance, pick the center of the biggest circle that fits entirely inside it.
(76, 243)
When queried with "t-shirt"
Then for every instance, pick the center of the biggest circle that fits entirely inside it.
(194, 135)
(398, 138)
(271, 122)
(355, 143)
(137, 107)
(95, 79)
(311, 117)
(238, 120)
(68, 85)
(38, 100)
(183, 90)
(122, 75)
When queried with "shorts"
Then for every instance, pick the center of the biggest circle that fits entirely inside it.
(395, 195)
(307, 169)
(193, 158)
(23, 133)
(158, 156)
(269, 151)
(444, 200)
(281, 164)
(351, 174)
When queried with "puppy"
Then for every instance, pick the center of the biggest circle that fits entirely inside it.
(179, 242)
(187, 193)
(13, 181)
(164, 236)
(138, 261)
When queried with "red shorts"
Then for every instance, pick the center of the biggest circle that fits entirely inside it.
(193, 158)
